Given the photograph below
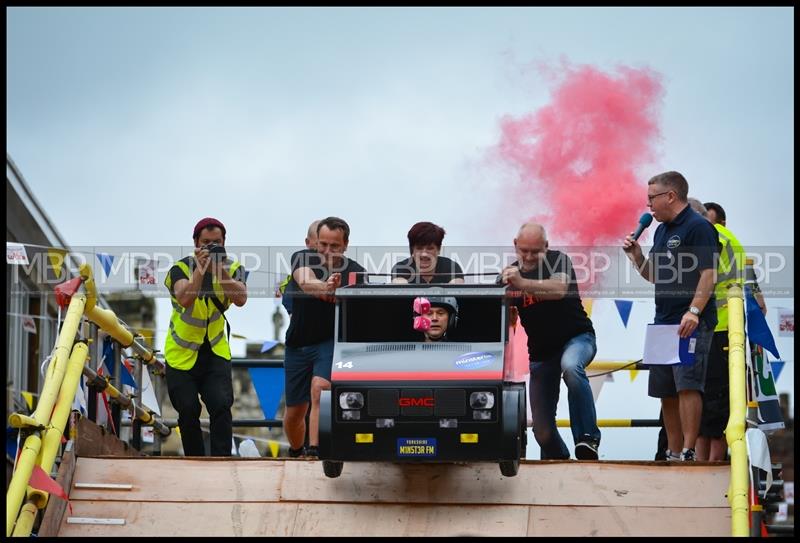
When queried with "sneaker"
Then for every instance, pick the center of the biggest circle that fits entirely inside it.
(587, 449)
(672, 457)
(312, 451)
(688, 455)
(296, 453)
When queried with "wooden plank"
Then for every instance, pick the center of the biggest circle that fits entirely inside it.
(543, 483)
(56, 506)
(320, 519)
(180, 479)
(206, 519)
(629, 521)
(410, 520)
(93, 440)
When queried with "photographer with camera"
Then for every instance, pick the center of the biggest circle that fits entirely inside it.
(197, 352)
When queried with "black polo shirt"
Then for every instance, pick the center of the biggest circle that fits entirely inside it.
(550, 324)
(446, 270)
(682, 248)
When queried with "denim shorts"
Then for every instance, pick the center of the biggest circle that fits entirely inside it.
(300, 364)
(667, 381)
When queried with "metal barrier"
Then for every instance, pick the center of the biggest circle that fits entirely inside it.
(44, 429)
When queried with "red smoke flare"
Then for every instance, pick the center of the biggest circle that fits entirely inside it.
(580, 157)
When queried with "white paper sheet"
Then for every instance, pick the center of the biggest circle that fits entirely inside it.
(662, 346)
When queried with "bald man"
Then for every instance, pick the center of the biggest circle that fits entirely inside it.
(285, 289)
(561, 342)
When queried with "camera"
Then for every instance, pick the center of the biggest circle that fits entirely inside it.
(215, 251)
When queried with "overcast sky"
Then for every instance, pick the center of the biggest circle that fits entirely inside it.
(146, 120)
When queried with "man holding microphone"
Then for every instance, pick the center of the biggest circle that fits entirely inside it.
(681, 264)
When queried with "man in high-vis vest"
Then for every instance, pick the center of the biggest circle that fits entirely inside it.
(711, 443)
(202, 286)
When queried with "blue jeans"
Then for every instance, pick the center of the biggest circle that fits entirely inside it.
(545, 387)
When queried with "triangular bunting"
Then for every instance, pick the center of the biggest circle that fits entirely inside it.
(246, 274)
(42, 481)
(274, 448)
(634, 374)
(149, 398)
(56, 258)
(105, 260)
(269, 385)
(11, 441)
(757, 330)
(267, 345)
(28, 399)
(108, 361)
(79, 403)
(587, 306)
(777, 367)
(624, 308)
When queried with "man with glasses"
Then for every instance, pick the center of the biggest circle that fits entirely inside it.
(310, 337)
(682, 265)
(561, 341)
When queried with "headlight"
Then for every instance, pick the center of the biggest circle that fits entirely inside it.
(351, 400)
(481, 400)
(351, 414)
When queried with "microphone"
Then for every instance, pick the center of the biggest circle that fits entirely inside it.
(644, 222)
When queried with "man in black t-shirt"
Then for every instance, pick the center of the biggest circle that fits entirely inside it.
(561, 340)
(287, 286)
(682, 265)
(309, 340)
(425, 265)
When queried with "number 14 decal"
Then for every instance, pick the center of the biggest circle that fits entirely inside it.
(341, 365)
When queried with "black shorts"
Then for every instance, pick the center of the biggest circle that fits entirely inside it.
(716, 402)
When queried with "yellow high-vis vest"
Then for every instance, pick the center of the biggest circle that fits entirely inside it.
(730, 270)
(189, 326)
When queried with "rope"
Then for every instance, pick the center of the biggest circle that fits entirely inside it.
(616, 370)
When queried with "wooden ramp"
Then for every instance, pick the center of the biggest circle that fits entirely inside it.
(175, 496)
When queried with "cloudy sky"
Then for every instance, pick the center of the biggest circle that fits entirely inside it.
(149, 119)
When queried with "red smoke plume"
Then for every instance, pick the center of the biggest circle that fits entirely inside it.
(579, 158)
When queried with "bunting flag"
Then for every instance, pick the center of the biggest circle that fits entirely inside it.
(634, 374)
(108, 359)
(11, 441)
(770, 417)
(587, 306)
(267, 345)
(106, 260)
(596, 382)
(56, 258)
(42, 481)
(149, 398)
(274, 448)
(777, 367)
(79, 403)
(28, 399)
(757, 329)
(624, 309)
(246, 275)
(269, 385)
